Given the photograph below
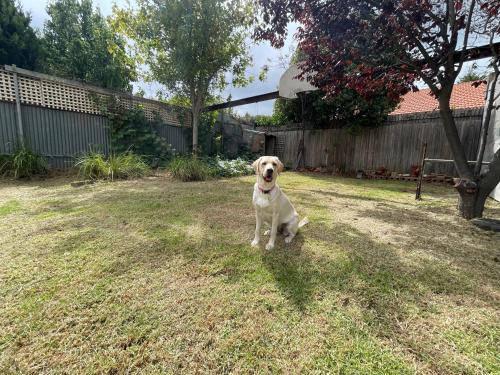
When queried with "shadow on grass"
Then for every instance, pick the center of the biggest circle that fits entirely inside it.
(353, 263)
(40, 181)
(210, 229)
(443, 239)
(349, 261)
(334, 194)
(292, 271)
(391, 185)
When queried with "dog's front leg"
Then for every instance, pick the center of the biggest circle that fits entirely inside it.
(258, 223)
(274, 230)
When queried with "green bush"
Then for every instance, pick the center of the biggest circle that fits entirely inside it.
(95, 166)
(229, 168)
(5, 164)
(127, 165)
(25, 163)
(187, 168)
(276, 119)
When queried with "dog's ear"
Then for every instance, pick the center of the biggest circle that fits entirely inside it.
(281, 167)
(256, 164)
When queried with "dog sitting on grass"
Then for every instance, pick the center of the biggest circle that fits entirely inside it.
(271, 205)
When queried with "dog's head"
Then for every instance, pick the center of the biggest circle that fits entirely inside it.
(268, 168)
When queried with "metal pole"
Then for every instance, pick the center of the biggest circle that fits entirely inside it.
(222, 132)
(300, 155)
(20, 131)
(418, 193)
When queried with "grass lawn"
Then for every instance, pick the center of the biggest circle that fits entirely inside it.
(157, 276)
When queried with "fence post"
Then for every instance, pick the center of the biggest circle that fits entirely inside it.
(20, 129)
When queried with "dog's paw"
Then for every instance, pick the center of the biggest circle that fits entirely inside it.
(267, 232)
(255, 243)
(288, 239)
(269, 246)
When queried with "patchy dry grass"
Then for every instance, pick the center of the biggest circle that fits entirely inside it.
(156, 276)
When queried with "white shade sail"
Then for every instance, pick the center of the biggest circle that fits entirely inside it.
(290, 86)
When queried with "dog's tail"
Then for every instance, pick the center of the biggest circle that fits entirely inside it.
(303, 222)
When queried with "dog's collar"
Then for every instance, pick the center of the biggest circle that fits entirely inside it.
(266, 191)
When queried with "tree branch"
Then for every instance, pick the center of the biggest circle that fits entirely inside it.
(490, 179)
(485, 125)
(466, 38)
(442, 29)
(450, 63)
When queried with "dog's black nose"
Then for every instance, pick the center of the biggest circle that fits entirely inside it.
(269, 172)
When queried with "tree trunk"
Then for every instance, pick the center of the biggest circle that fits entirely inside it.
(471, 199)
(456, 146)
(196, 120)
(471, 205)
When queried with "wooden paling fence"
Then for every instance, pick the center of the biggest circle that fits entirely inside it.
(396, 146)
(62, 119)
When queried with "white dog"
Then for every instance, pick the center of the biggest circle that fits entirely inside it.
(272, 206)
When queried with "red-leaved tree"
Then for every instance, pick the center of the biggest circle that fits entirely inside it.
(367, 45)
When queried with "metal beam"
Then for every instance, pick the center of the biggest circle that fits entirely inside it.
(249, 100)
(477, 53)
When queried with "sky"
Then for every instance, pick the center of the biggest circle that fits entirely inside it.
(262, 54)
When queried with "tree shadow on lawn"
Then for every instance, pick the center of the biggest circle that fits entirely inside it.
(328, 261)
(323, 258)
(333, 194)
(377, 288)
(373, 272)
(454, 241)
(390, 185)
(48, 182)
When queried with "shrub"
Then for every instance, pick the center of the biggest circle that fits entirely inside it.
(186, 168)
(199, 169)
(5, 164)
(95, 166)
(25, 163)
(229, 168)
(276, 119)
(127, 165)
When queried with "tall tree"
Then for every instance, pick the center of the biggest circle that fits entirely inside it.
(191, 46)
(81, 45)
(19, 44)
(366, 45)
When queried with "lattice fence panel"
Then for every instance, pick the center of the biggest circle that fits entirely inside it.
(30, 90)
(69, 98)
(7, 90)
(58, 94)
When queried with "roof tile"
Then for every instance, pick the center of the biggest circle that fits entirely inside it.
(464, 95)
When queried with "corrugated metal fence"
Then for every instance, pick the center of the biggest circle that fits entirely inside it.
(61, 136)
(63, 130)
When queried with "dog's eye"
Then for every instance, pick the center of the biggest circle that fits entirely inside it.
(274, 164)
